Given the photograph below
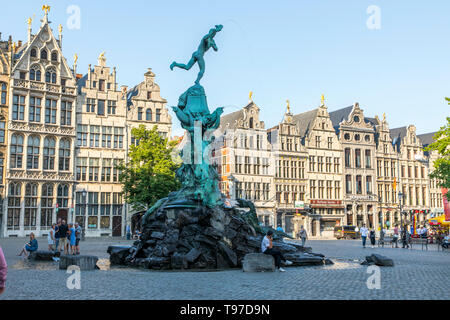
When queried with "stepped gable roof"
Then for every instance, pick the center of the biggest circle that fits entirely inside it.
(397, 135)
(427, 138)
(304, 121)
(339, 115)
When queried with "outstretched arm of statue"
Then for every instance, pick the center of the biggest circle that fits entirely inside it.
(213, 44)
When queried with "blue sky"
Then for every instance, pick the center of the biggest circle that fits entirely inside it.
(280, 50)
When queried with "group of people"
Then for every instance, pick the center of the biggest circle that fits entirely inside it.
(61, 238)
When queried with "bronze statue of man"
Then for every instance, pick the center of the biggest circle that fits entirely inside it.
(206, 43)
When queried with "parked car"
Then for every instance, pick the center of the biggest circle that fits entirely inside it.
(346, 232)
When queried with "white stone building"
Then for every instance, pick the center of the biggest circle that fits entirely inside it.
(41, 135)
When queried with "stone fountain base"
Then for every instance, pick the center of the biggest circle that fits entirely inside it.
(199, 237)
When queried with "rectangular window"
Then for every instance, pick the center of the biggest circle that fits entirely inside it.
(101, 108)
(82, 135)
(330, 143)
(93, 169)
(107, 136)
(358, 158)
(106, 170)
(94, 136)
(139, 114)
(369, 185)
(368, 160)
(81, 169)
(50, 111)
(66, 113)
(158, 115)
(101, 85)
(2, 131)
(348, 184)
(358, 185)
(90, 105)
(18, 107)
(112, 107)
(118, 138)
(35, 109)
(347, 158)
(4, 92)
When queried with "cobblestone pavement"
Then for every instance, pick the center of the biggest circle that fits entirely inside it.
(427, 270)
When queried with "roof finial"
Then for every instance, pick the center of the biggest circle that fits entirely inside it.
(75, 59)
(46, 9)
(384, 116)
(60, 28)
(288, 106)
(250, 96)
(29, 21)
(323, 100)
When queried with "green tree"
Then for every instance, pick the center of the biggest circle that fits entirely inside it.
(441, 144)
(149, 174)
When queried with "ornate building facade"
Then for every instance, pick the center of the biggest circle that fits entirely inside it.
(357, 136)
(324, 171)
(101, 115)
(6, 48)
(41, 134)
(244, 160)
(290, 158)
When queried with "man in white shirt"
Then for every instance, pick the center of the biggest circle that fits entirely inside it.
(267, 248)
(364, 233)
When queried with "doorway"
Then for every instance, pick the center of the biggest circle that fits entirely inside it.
(62, 214)
(117, 226)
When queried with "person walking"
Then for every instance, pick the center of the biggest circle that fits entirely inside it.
(3, 271)
(395, 236)
(302, 234)
(364, 233)
(29, 246)
(78, 232)
(267, 248)
(372, 237)
(51, 238)
(405, 238)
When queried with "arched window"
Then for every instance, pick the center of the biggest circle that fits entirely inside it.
(33, 53)
(16, 151)
(14, 198)
(49, 153)
(54, 56)
(33, 152)
(50, 75)
(44, 54)
(4, 91)
(29, 222)
(251, 123)
(35, 73)
(47, 206)
(63, 196)
(64, 154)
(148, 115)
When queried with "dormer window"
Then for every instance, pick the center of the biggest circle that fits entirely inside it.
(35, 73)
(54, 56)
(33, 53)
(251, 123)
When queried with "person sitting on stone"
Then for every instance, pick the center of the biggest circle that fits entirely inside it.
(29, 246)
(267, 248)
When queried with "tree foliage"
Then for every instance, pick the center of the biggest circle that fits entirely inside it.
(441, 144)
(149, 174)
